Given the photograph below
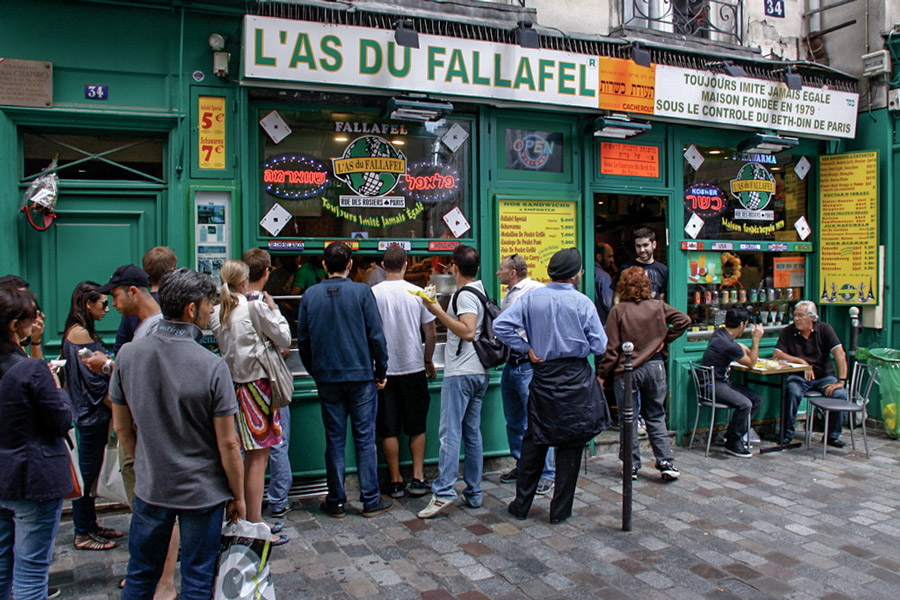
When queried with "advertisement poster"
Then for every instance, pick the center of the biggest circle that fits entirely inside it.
(212, 132)
(848, 222)
(790, 272)
(704, 267)
(536, 229)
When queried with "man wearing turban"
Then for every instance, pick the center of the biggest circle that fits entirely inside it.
(566, 406)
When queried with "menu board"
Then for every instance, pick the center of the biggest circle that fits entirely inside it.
(536, 229)
(848, 222)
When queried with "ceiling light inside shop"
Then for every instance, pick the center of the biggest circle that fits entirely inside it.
(341, 138)
(715, 152)
(398, 142)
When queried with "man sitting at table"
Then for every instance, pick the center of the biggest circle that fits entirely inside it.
(809, 342)
(721, 351)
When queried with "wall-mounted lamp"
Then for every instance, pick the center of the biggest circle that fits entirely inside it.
(619, 126)
(416, 107)
(730, 68)
(793, 79)
(639, 54)
(526, 36)
(405, 35)
(221, 59)
(766, 143)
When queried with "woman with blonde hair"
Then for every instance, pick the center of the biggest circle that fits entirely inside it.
(258, 422)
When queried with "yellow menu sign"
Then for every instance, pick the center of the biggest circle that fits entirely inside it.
(848, 222)
(625, 86)
(211, 124)
(536, 229)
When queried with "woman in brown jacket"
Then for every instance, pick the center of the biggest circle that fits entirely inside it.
(651, 325)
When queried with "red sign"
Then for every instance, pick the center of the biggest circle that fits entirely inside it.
(692, 245)
(442, 246)
(294, 177)
(629, 160)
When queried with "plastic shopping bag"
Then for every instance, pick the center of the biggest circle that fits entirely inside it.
(242, 572)
(110, 484)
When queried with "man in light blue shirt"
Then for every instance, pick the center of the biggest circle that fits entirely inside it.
(566, 407)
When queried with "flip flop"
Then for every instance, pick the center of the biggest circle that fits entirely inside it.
(277, 527)
(282, 540)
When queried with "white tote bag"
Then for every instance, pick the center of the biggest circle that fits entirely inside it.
(110, 484)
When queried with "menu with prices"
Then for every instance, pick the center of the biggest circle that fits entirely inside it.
(536, 229)
(848, 222)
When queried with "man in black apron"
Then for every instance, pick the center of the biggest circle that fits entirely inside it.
(566, 407)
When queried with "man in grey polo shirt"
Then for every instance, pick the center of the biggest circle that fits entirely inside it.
(173, 410)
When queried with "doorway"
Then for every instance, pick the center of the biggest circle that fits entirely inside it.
(617, 216)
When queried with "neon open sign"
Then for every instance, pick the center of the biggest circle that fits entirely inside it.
(294, 177)
(430, 182)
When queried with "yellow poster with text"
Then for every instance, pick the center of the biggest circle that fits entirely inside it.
(848, 222)
(211, 125)
(625, 86)
(535, 230)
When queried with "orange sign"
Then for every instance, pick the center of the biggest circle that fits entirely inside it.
(629, 159)
(625, 86)
(789, 272)
(211, 140)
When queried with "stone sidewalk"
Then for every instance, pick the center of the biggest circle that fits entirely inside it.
(783, 525)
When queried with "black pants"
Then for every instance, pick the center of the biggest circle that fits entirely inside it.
(531, 466)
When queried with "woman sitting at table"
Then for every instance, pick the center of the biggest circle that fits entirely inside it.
(721, 351)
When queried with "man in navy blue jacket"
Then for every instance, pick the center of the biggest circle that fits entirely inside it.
(340, 319)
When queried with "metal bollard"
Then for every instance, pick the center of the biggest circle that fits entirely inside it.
(854, 342)
(627, 409)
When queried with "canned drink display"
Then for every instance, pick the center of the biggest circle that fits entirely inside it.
(770, 294)
(742, 296)
(698, 297)
(734, 296)
(715, 297)
(709, 297)
(788, 293)
(754, 295)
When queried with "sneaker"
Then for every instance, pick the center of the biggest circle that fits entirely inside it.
(634, 472)
(836, 443)
(333, 510)
(397, 489)
(436, 505)
(641, 427)
(418, 487)
(280, 512)
(53, 593)
(544, 486)
(737, 448)
(668, 470)
(384, 505)
(509, 476)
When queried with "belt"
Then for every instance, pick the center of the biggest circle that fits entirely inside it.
(518, 359)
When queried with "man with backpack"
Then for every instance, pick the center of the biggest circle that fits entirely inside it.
(465, 383)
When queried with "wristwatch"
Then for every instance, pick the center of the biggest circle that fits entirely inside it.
(107, 367)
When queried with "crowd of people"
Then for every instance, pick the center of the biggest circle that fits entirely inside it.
(194, 445)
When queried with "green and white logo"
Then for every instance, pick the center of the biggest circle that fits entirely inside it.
(753, 187)
(370, 166)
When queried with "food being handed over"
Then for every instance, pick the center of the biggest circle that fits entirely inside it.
(429, 294)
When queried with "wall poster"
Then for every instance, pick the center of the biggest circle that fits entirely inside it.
(848, 222)
(536, 229)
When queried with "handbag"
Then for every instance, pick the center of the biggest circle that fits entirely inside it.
(72, 447)
(280, 378)
(110, 484)
(242, 568)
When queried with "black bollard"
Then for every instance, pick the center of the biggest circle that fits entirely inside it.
(627, 409)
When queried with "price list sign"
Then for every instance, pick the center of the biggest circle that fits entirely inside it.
(848, 222)
(536, 229)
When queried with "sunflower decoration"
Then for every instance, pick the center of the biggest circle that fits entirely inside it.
(731, 270)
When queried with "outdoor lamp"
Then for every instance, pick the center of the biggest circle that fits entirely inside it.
(640, 55)
(526, 36)
(766, 143)
(406, 37)
(793, 79)
(416, 107)
(733, 69)
(217, 41)
(619, 126)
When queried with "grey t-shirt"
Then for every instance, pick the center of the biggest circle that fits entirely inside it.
(174, 388)
(466, 362)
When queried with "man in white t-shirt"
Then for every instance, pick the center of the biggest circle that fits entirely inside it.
(403, 404)
(465, 383)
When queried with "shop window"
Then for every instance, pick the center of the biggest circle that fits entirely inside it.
(95, 157)
(357, 175)
(730, 195)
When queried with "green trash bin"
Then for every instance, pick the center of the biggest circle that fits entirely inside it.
(888, 362)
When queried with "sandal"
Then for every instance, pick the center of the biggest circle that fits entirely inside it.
(93, 542)
(107, 532)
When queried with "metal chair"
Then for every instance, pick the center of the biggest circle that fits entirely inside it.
(704, 385)
(860, 387)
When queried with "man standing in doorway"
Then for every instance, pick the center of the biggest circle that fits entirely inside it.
(658, 273)
(405, 399)
(517, 373)
(604, 272)
(339, 318)
(464, 386)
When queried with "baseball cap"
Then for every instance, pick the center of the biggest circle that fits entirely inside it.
(127, 275)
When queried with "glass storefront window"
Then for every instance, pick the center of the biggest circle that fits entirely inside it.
(738, 196)
(358, 175)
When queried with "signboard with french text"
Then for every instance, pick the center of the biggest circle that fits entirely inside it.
(26, 83)
(536, 230)
(630, 160)
(693, 95)
(848, 228)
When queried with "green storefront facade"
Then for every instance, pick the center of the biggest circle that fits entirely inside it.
(170, 143)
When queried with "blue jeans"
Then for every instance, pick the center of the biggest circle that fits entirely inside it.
(795, 387)
(148, 543)
(281, 477)
(461, 397)
(91, 448)
(359, 401)
(514, 386)
(27, 532)
(648, 381)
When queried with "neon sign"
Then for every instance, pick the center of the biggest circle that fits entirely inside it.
(705, 199)
(430, 182)
(294, 177)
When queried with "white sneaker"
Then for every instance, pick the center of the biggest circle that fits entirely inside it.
(641, 427)
(435, 506)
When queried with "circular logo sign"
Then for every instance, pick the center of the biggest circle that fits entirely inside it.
(370, 166)
(754, 186)
(705, 199)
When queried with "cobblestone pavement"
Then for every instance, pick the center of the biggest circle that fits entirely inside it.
(783, 525)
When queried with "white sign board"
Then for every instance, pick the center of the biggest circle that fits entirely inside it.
(693, 95)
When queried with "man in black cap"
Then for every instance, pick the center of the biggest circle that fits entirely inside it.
(566, 407)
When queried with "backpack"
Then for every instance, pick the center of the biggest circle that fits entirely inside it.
(490, 350)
